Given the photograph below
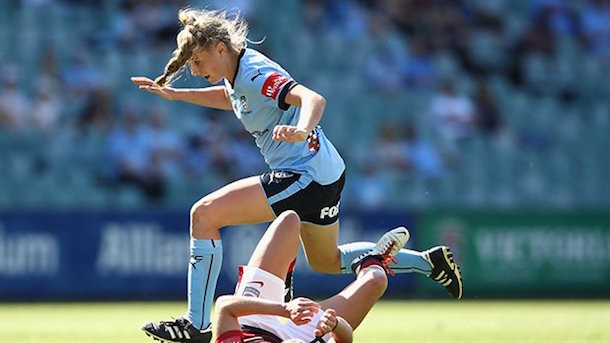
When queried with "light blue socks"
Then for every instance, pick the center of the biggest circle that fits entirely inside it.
(204, 268)
(409, 261)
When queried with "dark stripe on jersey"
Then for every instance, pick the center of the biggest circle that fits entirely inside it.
(282, 98)
(241, 54)
(264, 335)
(318, 340)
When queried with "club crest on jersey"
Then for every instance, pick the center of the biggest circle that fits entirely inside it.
(313, 142)
(272, 85)
(243, 104)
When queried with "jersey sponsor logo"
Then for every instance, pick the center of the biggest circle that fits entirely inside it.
(251, 292)
(252, 289)
(272, 85)
(330, 211)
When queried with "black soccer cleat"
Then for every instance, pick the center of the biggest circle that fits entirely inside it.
(386, 248)
(444, 270)
(179, 330)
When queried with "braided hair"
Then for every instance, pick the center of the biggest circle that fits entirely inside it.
(201, 29)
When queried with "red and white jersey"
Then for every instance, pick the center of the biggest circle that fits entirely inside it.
(255, 282)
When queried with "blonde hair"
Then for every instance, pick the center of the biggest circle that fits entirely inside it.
(201, 28)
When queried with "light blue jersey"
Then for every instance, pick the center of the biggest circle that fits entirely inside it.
(258, 98)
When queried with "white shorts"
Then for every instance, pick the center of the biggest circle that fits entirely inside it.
(258, 283)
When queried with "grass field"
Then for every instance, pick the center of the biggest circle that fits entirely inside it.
(390, 321)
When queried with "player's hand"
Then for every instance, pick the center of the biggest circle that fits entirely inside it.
(149, 85)
(302, 310)
(327, 323)
(288, 133)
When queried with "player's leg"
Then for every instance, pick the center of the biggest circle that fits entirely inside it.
(264, 275)
(292, 191)
(408, 261)
(436, 263)
(241, 202)
(319, 208)
(278, 246)
(323, 254)
(355, 301)
(320, 246)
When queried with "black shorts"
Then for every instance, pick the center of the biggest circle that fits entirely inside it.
(313, 202)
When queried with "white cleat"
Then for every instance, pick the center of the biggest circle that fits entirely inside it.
(386, 248)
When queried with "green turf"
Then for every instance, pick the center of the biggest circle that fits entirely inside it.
(390, 321)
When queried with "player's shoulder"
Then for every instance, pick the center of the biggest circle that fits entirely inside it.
(257, 67)
(260, 75)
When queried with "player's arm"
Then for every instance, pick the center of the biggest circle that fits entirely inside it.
(343, 333)
(214, 96)
(230, 307)
(312, 107)
(340, 330)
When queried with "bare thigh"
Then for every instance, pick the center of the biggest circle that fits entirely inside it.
(279, 245)
(320, 245)
(240, 202)
(355, 301)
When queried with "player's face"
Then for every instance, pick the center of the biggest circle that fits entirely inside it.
(207, 63)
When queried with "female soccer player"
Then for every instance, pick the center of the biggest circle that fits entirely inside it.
(307, 172)
(254, 313)
(257, 306)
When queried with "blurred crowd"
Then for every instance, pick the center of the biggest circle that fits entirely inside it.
(432, 103)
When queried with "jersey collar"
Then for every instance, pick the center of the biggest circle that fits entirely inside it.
(242, 52)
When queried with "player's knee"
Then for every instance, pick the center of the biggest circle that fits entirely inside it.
(203, 222)
(221, 302)
(377, 279)
(290, 219)
(221, 306)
